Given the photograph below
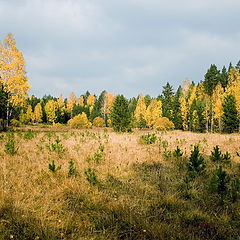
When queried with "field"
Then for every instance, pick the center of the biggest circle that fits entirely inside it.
(58, 183)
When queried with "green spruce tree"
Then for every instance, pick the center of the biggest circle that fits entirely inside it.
(177, 116)
(224, 77)
(120, 114)
(167, 99)
(230, 114)
(211, 79)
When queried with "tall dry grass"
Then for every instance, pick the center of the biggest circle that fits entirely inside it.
(137, 195)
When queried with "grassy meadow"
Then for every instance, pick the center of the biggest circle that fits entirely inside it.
(58, 183)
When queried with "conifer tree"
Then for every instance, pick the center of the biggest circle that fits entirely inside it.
(238, 66)
(120, 115)
(177, 116)
(96, 111)
(230, 115)
(224, 77)
(167, 99)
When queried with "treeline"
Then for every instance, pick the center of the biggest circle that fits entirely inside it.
(212, 105)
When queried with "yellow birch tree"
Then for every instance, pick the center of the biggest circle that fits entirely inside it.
(38, 114)
(12, 73)
(50, 109)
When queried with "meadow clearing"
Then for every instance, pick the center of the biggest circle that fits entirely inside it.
(59, 183)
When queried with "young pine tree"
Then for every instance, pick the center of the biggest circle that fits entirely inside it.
(120, 114)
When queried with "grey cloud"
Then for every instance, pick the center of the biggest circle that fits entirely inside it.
(127, 46)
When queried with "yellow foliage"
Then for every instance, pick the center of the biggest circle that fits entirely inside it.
(61, 105)
(50, 109)
(184, 112)
(80, 121)
(29, 114)
(107, 104)
(12, 71)
(98, 122)
(71, 101)
(218, 96)
(80, 101)
(38, 114)
(153, 112)
(163, 124)
(233, 86)
(140, 108)
(57, 125)
(91, 100)
(109, 122)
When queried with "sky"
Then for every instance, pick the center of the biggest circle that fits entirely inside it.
(121, 46)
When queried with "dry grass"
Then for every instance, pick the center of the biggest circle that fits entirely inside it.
(137, 196)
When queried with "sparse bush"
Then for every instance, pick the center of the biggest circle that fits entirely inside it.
(56, 147)
(10, 146)
(148, 139)
(98, 122)
(91, 176)
(80, 121)
(163, 123)
(28, 135)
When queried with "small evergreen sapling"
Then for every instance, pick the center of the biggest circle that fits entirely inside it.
(10, 146)
(216, 154)
(52, 167)
(91, 176)
(71, 168)
(177, 152)
(196, 162)
(219, 183)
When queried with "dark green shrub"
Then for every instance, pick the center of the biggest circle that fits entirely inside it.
(91, 176)
(235, 189)
(219, 183)
(148, 139)
(71, 168)
(10, 146)
(28, 135)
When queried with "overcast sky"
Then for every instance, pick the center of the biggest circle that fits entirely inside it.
(122, 46)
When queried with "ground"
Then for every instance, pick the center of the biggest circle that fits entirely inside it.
(116, 186)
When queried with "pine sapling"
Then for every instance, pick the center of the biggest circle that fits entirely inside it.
(196, 162)
(52, 167)
(71, 168)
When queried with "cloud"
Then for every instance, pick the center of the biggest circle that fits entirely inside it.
(127, 46)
